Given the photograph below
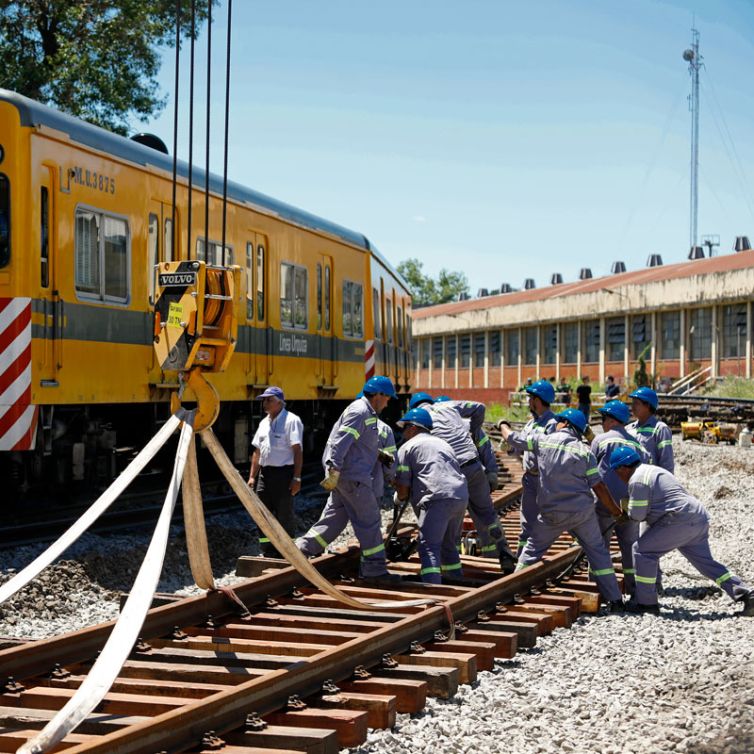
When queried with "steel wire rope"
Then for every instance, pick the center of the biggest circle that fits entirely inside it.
(225, 136)
(191, 131)
(175, 126)
(207, 127)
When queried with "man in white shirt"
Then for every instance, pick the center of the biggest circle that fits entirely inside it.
(276, 461)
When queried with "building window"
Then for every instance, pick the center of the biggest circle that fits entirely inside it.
(591, 341)
(450, 352)
(494, 337)
(570, 353)
(512, 347)
(670, 335)
(424, 347)
(353, 310)
(549, 337)
(480, 346)
(616, 338)
(293, 296)
(437, 353)
(641, 336)
(700, 334)
(465, 351)
(733, 331)
(530, 345)
(101, 256)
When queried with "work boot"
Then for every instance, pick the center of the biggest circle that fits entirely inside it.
(384, 579)
(639, 608)
(507, 562)
(616, 606)
(748, 601)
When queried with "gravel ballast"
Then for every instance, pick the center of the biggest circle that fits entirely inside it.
(683, 682)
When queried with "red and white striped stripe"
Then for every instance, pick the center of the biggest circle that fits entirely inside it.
(369, 359)
(18, 417)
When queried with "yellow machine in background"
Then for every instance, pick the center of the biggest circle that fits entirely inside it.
(708, 431)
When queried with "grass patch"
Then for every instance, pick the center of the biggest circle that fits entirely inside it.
(497, 411)
(733, 387)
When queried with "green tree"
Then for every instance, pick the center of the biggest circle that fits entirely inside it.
(95, 59)
(427, 291)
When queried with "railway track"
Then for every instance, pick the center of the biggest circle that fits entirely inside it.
(295, 671)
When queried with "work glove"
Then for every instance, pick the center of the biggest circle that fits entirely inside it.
(623, 518)
(492, 479)
(588, 434)
(624, 504)
(506, 422)
(330, 482)
(386, 459)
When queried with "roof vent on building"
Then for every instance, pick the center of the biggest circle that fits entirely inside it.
(505, 288)
(463, 296)
(585, 273)
(529, 284)
(696, 252)
(494, 292)
(556, 278)
(618, 267)
(654, 260)
(742, 244)
(482, 292)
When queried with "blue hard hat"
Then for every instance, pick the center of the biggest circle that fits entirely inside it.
(419, 416)
(379, 384)
(647, 395)
(443, 399)
(624, 456)
(418, 398)
(543, 390)
(575, 418)
(617, 410)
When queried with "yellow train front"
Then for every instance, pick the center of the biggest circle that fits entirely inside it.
(85, 216)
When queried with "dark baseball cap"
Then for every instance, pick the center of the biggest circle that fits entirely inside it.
(272, 392)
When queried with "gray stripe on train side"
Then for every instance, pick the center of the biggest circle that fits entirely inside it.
(107, 324)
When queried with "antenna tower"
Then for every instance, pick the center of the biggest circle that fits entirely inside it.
(694, 59)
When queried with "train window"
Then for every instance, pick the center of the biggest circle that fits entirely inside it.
(167, 249)
(250, 280)
(101, 256)
(293, 295)
(153, 252)
(260, 282)
(400, 327)
(389, 319)
(212, 253)
(376, 314)
(319, 296)
(353, 316)
(44, 237)
(4, 220)
(409, 334)
(327, 297)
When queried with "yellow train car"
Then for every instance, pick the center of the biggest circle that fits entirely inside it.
(85, 215)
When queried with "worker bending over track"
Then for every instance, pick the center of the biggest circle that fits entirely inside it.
(614, 435)
(676, 521)
(543, 422)
(448, 424)
(429, 475)
(349, 458)
(567, 475)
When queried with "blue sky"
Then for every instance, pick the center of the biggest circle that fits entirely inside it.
(503, 139)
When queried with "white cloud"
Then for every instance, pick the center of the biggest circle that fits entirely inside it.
(419, 219)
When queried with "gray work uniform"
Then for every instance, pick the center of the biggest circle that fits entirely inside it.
(545, 424)
(449, 425)
(485, 451)
(352, 450)
(438, 494)
(567, 472)
(382, 473)
(602, 446)
(471, 410)
(657, 439)
(676, 521)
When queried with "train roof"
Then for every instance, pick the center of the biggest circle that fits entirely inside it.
(33, 114)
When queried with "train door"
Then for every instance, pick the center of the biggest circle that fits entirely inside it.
(51, 302)
(389, 339)
(327, 348)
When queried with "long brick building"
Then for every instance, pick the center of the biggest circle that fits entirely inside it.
(682, 317)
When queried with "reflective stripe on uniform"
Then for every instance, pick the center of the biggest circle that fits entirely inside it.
(488, 548)
(453, 567)
(402, 468)
(530, 443)
(629, 571)
(320, 539)
(429, 569)
(566, 447)
(373, 550)
(595, 470)
(616, 441)
(646, 580)
(603, 571)
(484, 440)
(664, 443)
(638, 503)
(264, 540)
(727, 575)
(371, 420)
(390, 449)
(351, 431)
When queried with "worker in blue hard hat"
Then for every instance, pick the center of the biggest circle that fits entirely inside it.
(676, 521)
(349, 458)
(449, 424)
(429, 476)
(568, 474)
(541, 395)
(615, 415)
